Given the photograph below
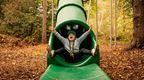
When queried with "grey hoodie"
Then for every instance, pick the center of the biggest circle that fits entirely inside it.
(76, 43)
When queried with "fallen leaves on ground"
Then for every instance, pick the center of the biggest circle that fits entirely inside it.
(26, 63)
(29, 62)
(123, 65)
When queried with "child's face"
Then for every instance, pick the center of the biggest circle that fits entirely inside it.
(71, 37)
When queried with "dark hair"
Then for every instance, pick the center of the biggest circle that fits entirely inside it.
(72, 32)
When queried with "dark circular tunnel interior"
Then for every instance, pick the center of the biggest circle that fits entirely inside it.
(79, 31)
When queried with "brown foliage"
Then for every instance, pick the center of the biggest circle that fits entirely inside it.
(29, 62)
(123, 65)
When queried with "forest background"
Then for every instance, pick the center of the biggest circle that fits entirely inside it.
(22, 53)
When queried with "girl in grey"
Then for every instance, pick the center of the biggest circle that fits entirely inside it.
(72, 44)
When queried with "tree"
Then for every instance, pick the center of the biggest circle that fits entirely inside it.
(21, 18)
(138, 21)
(1, 14)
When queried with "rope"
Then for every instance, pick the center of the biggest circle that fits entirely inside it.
(111, 26)
(52, 14)
(115, 28)
(97, 26)
(89, 12)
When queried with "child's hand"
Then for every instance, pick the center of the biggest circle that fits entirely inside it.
(90, 28)
(51, 29)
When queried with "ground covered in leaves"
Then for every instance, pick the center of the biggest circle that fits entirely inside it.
(27, 62)
(123, 65)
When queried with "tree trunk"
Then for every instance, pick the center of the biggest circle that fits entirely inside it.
(44, 38)
(138, 34)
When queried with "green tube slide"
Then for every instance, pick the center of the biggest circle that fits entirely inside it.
(71, 12)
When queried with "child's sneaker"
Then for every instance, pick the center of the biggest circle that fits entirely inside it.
(52, 53)
(93, 52)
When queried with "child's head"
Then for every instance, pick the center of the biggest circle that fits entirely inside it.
(71, 35)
